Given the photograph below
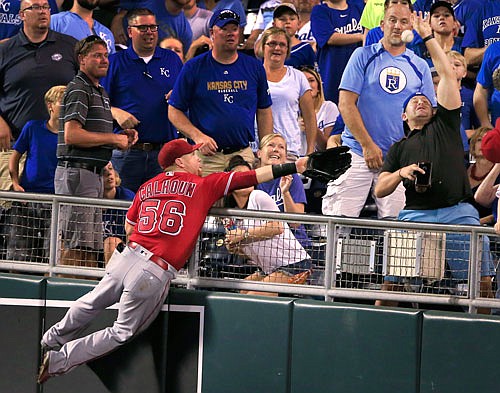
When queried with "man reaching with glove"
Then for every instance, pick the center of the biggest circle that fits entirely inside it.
(162, 227)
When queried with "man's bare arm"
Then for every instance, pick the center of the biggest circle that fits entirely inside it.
(480, 101)
(184, 125)
(352, 118)
(264, 122)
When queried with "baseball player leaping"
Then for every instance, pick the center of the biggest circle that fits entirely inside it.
(162, 225)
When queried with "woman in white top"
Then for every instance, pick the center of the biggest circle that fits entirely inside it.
(326, 111)
(290, 92)
(269, 244)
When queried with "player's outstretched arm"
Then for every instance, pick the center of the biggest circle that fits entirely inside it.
(324, 166)
(270, 172)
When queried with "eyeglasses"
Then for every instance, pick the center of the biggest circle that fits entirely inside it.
(85, 43)
(227, 14)
(36, 7)
(274, 44)
(145, 28)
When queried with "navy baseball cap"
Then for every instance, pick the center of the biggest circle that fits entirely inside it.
(444, 4)
(223, 17)
(418, 93)
(173, 150)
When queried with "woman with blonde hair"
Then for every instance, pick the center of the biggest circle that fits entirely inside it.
(287, 191)
(269, 244)
(327, 112)
(290, 93)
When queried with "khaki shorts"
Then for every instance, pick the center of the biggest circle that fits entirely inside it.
(218, 162)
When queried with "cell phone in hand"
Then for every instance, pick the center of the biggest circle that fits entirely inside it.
(423, 179)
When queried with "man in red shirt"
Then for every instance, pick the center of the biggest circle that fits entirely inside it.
(162, 225)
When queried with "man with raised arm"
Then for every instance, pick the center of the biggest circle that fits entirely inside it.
(433, 137)
(377, 80)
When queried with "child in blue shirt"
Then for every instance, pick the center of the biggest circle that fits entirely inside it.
(29, 223)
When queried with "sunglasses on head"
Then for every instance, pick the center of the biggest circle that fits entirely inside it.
(83, 44)
(227, 14)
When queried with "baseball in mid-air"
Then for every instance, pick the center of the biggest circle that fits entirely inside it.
(407, 36)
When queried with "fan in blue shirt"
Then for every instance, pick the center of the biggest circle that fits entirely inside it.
(137, 82)
(338, 32)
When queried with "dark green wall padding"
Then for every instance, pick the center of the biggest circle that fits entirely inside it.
(350, 349)
(257, 344)
(460, 353)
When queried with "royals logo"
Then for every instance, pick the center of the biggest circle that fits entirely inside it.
(392, 80)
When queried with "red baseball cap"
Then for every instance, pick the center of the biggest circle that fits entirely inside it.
(490, 145)
(173, 150)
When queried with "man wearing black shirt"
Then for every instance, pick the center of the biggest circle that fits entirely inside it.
(31, 62)
(434, 137)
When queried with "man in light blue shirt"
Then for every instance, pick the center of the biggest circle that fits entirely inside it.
(375, 83)
(78, 22)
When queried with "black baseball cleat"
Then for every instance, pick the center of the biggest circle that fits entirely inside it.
(43, 373)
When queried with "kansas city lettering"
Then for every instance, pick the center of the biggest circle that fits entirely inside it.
(490, 21)
(158, 188)
(226, 86)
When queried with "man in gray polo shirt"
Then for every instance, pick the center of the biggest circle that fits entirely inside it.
(85, 144)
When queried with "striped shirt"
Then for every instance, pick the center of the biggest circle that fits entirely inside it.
(89, 105)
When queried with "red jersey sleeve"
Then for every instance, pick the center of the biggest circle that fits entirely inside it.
(241, 180)
(133, 211)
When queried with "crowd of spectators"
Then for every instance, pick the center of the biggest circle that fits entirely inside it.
(316, 74)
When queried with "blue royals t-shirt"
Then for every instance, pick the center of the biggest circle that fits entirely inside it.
(483, 28)
(383, 83)
(222, 99)
(10, 21)
(491, 61)
(40, 144)
(332, 59)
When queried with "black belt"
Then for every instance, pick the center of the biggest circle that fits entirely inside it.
(146, 146)
(80, 165)
(230, 150)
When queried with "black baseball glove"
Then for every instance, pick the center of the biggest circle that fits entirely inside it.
(328, 164)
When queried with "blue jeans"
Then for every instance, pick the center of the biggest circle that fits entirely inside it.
(135, 167)
(457, 244)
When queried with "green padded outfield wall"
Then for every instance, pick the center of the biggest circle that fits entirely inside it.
(247, 344)
(20, 329)
(346, 348)
(460, 353)
(212, 342)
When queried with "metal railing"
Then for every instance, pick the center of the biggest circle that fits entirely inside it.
(352, 258)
